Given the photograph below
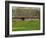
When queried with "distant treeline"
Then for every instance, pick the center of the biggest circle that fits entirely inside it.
(26, 12)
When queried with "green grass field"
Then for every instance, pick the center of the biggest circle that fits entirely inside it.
(25, 25)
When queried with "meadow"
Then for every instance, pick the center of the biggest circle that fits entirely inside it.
(25, 25)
